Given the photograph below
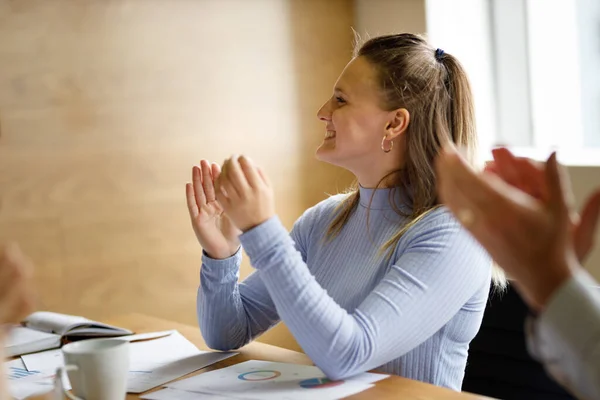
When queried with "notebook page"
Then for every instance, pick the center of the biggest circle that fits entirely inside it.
(53, 322)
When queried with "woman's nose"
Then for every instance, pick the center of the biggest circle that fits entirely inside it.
(324, 113)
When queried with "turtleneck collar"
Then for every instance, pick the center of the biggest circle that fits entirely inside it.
(382, 198)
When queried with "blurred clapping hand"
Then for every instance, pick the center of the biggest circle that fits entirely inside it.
(521, 212)
(16, 294)
(16, 287)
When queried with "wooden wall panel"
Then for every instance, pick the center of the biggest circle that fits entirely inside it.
(106, 105)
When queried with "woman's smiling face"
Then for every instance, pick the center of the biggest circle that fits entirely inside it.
(355, 121)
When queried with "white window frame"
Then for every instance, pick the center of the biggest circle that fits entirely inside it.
(528, 83)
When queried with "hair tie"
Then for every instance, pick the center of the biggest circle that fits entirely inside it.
(438, 54)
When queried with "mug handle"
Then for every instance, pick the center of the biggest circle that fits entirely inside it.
(59, 391)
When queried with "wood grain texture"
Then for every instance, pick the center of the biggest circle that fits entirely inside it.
(106, 105)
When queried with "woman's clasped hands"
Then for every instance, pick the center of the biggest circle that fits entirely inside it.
(226, 201)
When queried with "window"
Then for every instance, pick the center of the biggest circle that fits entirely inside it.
(534, 69)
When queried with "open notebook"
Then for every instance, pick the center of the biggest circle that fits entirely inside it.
(46, 330)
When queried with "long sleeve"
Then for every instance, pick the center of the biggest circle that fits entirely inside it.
(231, 314)
(566, 336)
(440, 268)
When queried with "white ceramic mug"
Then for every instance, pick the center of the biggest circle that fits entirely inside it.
(97, 369)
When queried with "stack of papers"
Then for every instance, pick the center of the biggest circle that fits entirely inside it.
(23, 383)
(156, 362)
(152, 363)
(254, 380)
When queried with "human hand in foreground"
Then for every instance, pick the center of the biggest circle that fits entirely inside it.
(16, 287)
(531, 238)
(529, 176)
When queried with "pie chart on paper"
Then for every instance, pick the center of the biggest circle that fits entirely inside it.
(257, 376)
(319, 383)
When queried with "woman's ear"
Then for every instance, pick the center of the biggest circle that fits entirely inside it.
(398, 123)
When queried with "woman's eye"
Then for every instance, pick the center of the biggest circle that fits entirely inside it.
(339, 100)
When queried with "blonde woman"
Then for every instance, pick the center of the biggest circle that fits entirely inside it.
(382, 277)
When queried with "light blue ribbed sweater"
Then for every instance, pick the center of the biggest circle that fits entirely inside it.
(350, 308)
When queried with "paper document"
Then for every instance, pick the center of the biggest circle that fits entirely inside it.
(45, 361)
(277, 381)
(151, 362)
(149, 377)
(150, 354)
(24, 340)
(147, 336)
(23, 383)
(143, 355)
(156, 362)
(175, 394)
(48, 361)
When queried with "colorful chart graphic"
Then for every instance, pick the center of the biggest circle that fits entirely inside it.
(257, 376)
(319, 383)
(18, 373)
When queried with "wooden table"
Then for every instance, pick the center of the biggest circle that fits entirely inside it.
(394, 387)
